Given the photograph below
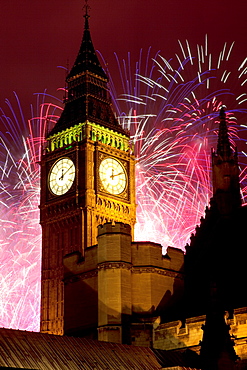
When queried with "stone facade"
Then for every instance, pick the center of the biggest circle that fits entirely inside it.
(120, 287)
(176, 336)
(87, 135)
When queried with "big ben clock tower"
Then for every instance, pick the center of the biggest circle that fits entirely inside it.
(87, 177)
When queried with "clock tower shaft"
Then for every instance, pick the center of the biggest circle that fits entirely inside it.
(72, 206)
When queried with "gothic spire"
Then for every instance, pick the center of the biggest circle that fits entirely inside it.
(87, 59)
(224, 146)
(226, 186)
(88, 96)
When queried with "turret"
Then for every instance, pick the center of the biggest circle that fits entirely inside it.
(226, 188)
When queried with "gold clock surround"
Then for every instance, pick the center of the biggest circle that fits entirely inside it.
(61, 176)
(112, 176)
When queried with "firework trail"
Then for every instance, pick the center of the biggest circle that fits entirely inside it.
(170, 108)
(20, 234)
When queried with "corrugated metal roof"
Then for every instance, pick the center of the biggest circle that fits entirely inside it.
(31, 350)
(178, 359)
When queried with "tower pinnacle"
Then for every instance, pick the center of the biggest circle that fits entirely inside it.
(87, 85)
(224, 146)
(226, 187)
(86, 15)
(87, 59)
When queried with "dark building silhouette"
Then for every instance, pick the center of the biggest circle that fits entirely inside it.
(217, 347)
(216, 253)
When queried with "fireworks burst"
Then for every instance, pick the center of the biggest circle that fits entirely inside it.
(170, 108)
(20, 234)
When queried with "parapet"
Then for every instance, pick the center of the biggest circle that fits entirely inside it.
(150, 254)
(177, 258)
(114, 228)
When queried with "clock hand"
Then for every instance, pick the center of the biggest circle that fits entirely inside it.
(117, 174)
(68, 169)
(61, 178)
(64, 173)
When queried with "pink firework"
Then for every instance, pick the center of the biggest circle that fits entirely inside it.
(170, 107)
(20, 234)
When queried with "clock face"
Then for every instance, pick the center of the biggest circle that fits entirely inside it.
(112, 175)
(61, 176)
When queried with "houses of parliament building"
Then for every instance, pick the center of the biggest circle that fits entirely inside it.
(108, 302)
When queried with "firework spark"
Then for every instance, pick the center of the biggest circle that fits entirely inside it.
(170, 107)
(20, 234)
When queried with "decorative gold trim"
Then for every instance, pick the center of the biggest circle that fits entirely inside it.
(114, 265)
(91, 131)
(147, 269)
(125, 266)
(125, 194)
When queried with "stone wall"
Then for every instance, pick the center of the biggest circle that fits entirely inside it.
(174, 335)
(119, 283)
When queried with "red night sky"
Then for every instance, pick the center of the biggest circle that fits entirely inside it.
(37, 36)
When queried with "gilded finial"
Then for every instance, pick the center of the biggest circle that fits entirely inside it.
(87, 8)
(86, 15)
